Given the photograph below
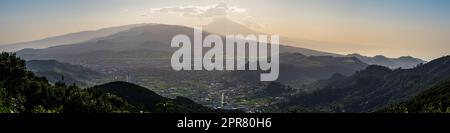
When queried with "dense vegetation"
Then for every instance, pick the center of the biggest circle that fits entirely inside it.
(433, 100)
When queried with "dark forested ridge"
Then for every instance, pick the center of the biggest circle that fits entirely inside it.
(371, 89)
(144, 98)
(434, 100)
(23, 92)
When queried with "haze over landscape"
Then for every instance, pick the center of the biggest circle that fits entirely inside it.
(115, 56)
(390, 28)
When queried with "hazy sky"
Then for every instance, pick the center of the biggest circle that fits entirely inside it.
(393, 28)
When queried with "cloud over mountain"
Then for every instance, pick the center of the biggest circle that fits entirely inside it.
(209, 11)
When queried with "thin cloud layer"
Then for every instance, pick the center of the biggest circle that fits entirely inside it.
(251, 23)
(217, 10)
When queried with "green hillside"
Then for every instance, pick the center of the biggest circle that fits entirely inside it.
(433, 100)
(372, 89)
(150, 101)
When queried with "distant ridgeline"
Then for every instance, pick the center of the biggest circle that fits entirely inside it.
(21, 91)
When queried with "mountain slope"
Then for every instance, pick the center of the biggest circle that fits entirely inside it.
(433, 100)
(374, 88)
(146, 46)
(66, 39)
(155, 37)
(225, 26)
